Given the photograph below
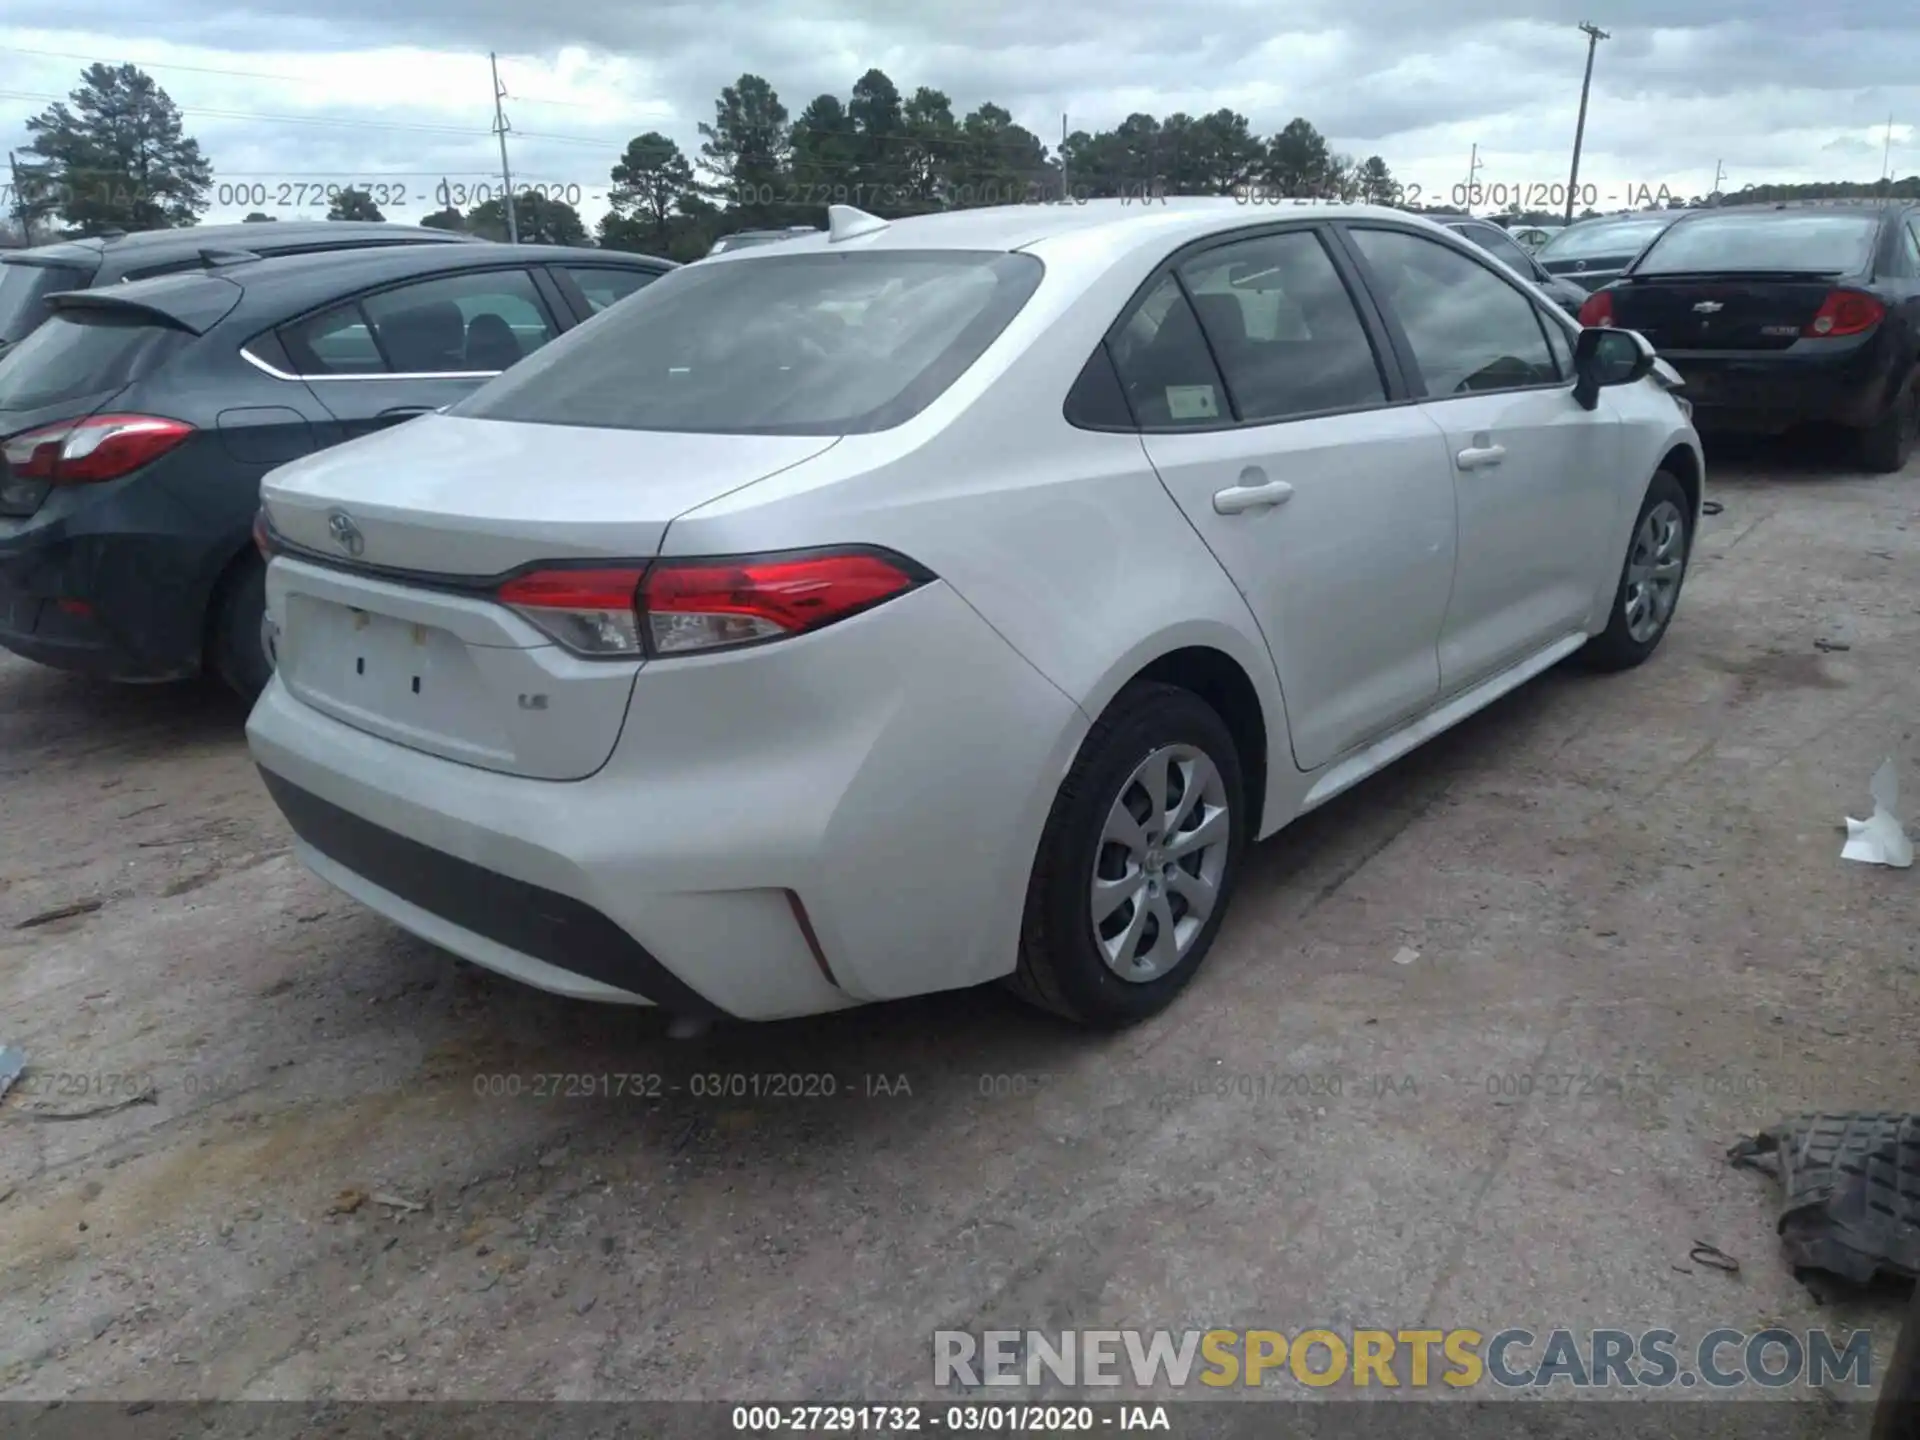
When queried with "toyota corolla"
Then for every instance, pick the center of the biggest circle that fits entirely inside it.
(920, 604)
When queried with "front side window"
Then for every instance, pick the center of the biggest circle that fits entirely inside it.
(1497, 243)
(1283, 327)
(1469, 329)
(811, 344)
(602, 286)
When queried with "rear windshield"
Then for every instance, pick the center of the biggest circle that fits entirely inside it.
(773, 345)
(82, 354)
(23, 287)
(1826, 243)
(1583, 242)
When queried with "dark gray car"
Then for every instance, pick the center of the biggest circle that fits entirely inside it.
(30, 274)
(1503, 247)
(136, 423)
(1593, 252)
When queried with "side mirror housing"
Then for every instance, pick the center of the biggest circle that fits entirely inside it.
(1604, 356)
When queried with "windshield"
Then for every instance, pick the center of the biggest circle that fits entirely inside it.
(23, 287)
(1773, 240)
(774, 345)
(79, 355)
(1583, 242)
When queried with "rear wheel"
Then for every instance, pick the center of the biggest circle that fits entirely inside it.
(236, 644)
(1650, 579)
(1137, 863)
(1888, 445)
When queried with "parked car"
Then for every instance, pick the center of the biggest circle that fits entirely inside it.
(28, 276)
(740, 239)
(1591, 252)
(136, 423)
(839, 657)
(1503, 247)
(1784, 315)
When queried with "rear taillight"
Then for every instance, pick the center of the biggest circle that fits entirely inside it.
(592, 612)
(262, 534)
(1845, 312)
(1598, 310)
(102, 447)
(685, 607)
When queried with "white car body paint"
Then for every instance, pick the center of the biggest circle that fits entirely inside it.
(895, 770)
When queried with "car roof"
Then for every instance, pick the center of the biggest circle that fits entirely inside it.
(1115, 226)
(272, 290)
(1872, 205)
(149, 246)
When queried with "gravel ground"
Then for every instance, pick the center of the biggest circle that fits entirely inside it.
(274, 1148)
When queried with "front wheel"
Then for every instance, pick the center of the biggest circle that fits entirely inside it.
(1137, 862)
(1650, 579)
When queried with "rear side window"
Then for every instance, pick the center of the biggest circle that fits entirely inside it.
(453, 324)
(23, 292)
(603, 287)
(1283, 327)
(814, 344)
(1825, 243)
(1165, 366)
(1469, 329)
(1497, 243)
(83, 355)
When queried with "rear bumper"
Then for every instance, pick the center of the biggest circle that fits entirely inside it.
(112, 580)
(843, 817)
(1764, 392)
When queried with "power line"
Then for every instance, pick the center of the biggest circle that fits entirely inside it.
(241, 74)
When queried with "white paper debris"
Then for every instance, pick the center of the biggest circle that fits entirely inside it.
(1406, 956)
(1879, 839)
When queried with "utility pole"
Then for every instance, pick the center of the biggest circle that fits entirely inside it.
(1886, 150)
(1594, 36)
(1473, 169)
(1066, 190)
(500, 129)
(1719, 179)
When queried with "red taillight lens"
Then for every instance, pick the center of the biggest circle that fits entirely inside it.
(1598, 310)
(708, 604)
(593, 612)
(1845, 312)
(683, 607)
(102, 447)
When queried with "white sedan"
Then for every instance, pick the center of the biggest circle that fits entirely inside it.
(918, 604)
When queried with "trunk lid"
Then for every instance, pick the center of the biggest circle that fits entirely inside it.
(1720, 312)
(391, 627)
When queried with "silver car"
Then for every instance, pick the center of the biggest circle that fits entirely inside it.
(956, 599)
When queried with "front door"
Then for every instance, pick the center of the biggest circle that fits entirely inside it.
(1265, 410)
(1535, 473)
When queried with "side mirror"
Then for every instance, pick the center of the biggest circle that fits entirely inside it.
(1604, 356)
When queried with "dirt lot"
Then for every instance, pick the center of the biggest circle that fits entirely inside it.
(1633, 879)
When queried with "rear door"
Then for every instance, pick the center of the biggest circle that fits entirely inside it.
(1536, 475)
(381, 358)
(1266, 409)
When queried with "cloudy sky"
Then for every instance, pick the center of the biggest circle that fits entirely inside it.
(292, 93)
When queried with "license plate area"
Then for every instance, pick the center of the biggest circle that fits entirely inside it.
(408, 680)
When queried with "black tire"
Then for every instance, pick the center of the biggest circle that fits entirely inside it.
(1615, 648)
(1060, 968)
(1886, 447)
(236, 651)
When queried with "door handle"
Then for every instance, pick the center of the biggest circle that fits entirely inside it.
(1236, 499)
(1481, 457)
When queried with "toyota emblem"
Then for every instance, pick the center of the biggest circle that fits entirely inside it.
(345, 533)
